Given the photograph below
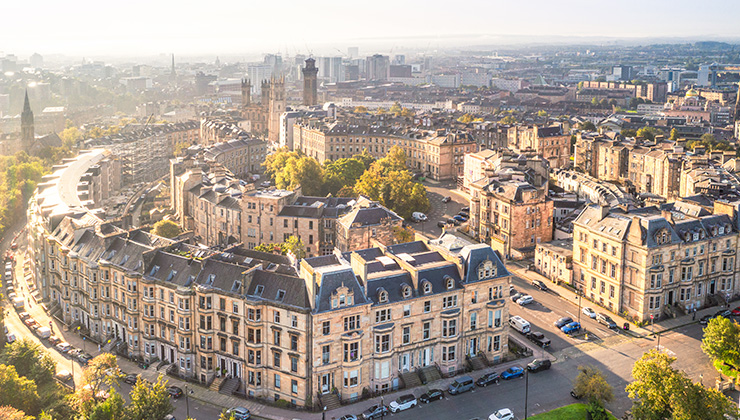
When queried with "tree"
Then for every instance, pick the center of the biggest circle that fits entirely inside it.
(29, 361)
(149, 401)
(542, 113)
(594, 101)
(17, 391)
(110, 409)
(628, 132)
(381, 111)
(102, 371)
(166, 229)
(674, 134)
(296, 247)
(508, 120)
(592, 384)
(395, 108)
(708, 138)
(721, 343)
(402, 234)
(405, 112)
(465, 119)
(9, 413)
(648, 132)
(661, 392)
(181, 147)
(360, 110)
(3, 339)
(587, 126)
(71, 135)
(305, 172)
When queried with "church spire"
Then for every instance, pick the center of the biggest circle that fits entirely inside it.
(27, 127)
(26, 104)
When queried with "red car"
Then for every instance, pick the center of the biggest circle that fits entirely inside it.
(736, 311)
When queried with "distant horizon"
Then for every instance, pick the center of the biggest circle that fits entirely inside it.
(323, 27)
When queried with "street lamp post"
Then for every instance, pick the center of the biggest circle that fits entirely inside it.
(526, 391)
(382, 408)
(580, 292)
(187, 401)
(323, 413)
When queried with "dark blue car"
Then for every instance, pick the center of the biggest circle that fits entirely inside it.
(459, 218)
(512, 372)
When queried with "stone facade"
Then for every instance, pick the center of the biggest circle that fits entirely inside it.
(368, 223)
(554, 260)
(549, 142)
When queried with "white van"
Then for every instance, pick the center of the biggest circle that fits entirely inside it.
(418, 216)
(19, 303)
(44, 332)
(520, 324)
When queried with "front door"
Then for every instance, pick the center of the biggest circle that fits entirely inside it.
(172, 356)
(669, 299)
(405, 362)
(163, 355)
(426, 357)
(235, 370)
(325, 381)
(712, 285)
(473, 346)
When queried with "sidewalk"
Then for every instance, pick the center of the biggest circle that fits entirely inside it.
(568, 294)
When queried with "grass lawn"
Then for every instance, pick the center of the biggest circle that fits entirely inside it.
(569, 412)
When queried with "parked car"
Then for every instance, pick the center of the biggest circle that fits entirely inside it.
(348, 417)
(539, 339)
(446, 199)
(502, 414)
(418, 216)
(73, 353)
(24, 315)
(431, 395)
(174, 391)
(374, 412)
(453, 222)
(54, 340)
(84, 358)
(63, 375)
(571, 328)
(705, 319)
(560, 323)
(512, 372)
(441, 224)
(512, 290)
(10, 337)
(589, 312)
(130, 379)
(525, 300)
(539, 364)
(540, 285)
(605, 320)
(404, 402)
(466, 208)
(574, 395)
(724, 313)
(462, 217)
(63, 347)
(516, 296)
(460, 385)
(520, 324)
(736, 311)
(239, 413)
(487, 379)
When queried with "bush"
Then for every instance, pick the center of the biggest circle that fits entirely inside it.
(596, 411)
(281, 403)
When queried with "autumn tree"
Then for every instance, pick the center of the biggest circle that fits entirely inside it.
(101, 372)
(661, 392)
(149, 401)
(592, 384)
(360, 110)
(166, 229)
(9, 413)
(674, 134)
(395, 108)
(648, 133)
(110, 409)
(17, 391)
(296, 247)
(465, 119)
(402, 234)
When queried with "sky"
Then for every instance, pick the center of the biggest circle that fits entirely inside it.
(137, 28)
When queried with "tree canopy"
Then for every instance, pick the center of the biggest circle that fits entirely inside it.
(661, 392)
(166, 229)
(29, 361)
(587, 126)
(591, 384)
(17, 391)
(149, 401)
(721, 343)
(649, 133)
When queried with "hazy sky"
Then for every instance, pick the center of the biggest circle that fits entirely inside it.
(136, 27)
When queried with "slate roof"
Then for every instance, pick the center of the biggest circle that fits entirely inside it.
(474, 255)
(331, 281)
(295, 292)
(173, 269)
(368, 216)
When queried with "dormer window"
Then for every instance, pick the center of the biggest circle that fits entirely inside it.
(259, 289)
(450, 283)
(383, 297)
(280, 295)
(427, 287)
(721, 230)
(406, 292)
(695, 236)
(486, 270)
(662, 237)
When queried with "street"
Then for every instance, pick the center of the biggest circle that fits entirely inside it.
(439, 211)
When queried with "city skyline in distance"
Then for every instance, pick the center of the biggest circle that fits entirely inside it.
(229, 27)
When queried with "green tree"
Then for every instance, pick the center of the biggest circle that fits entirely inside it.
(594, 101)
(508, 120)
(180, 148)
(304, 171)
(395, 108)
(587, 126)
(465, 119)
(149, 401)
(381, 111)
(29, 361)
(9, 413)
(360, 110)
(18, 392)
(110, 409)
(296, 246)
(405, 112)
(592, 384)
(542, 113)
(708, 138)
(341, 173)
(71, 135)
(661, 392)
(272, 248)
(101, 372)
(3, 339)
(166, 229)
(674, 134)
(648, 132)
(402, 234)
(628, 132)
(721, 343)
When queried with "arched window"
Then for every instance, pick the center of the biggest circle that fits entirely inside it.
(427, 287)
(450, 283)
(406, 292)
(383, 296)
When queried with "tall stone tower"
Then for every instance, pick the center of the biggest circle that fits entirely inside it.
(310, 83)
(246, 92)
(275, 108)
(27, 129)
